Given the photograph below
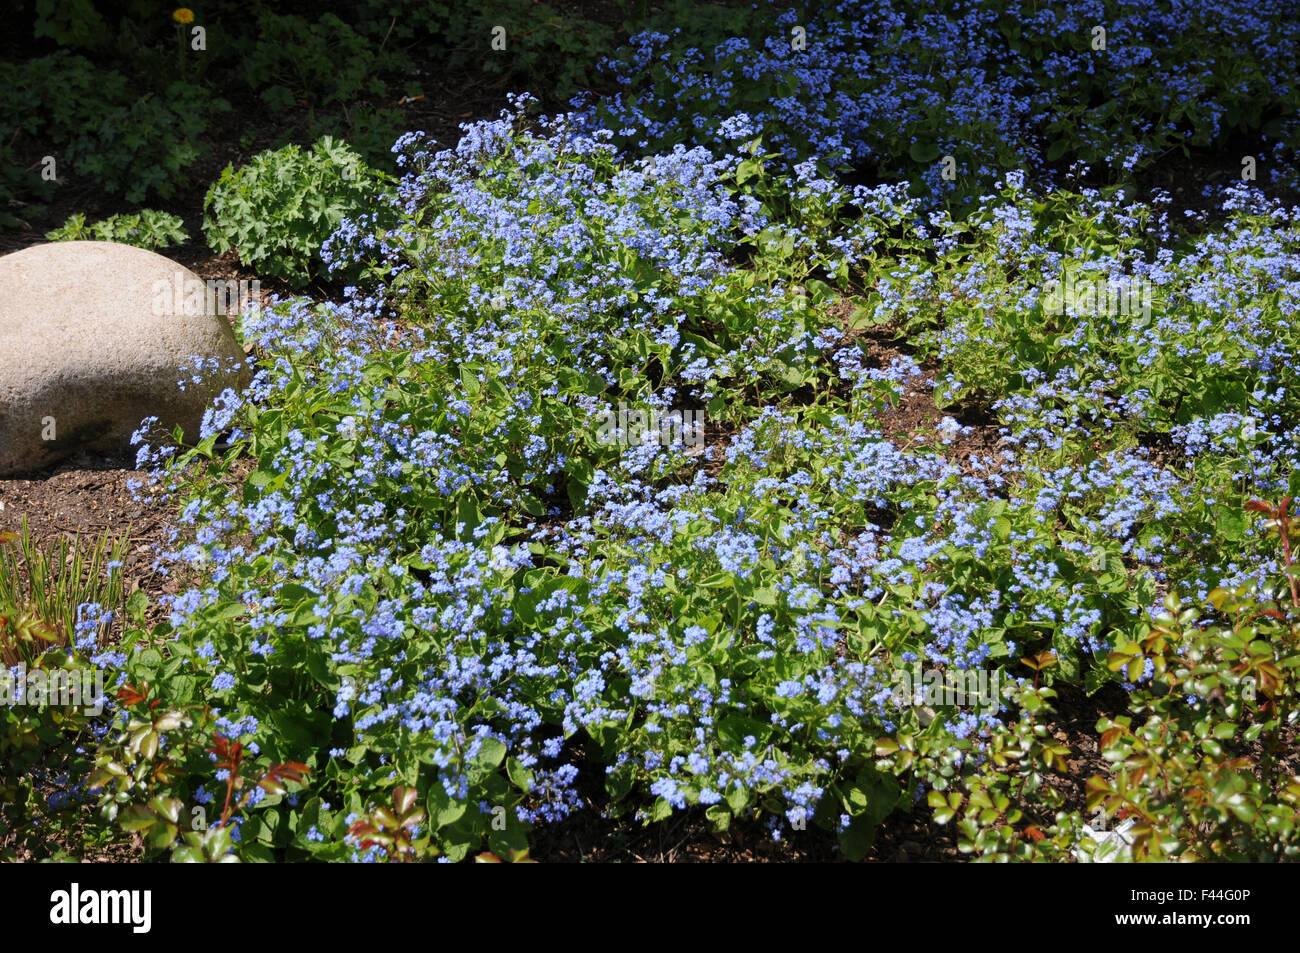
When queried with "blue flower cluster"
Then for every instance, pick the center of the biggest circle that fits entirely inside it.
(893, 86)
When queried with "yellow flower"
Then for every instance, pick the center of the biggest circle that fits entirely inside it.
(183, 15)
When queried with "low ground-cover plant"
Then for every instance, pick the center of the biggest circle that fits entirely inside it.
(132, 110)
(45, 745)
(294, 62)
(1201, 766)
(150, 757)
(147, 229)
(131, 143)
(437, 576)
(72, 589)
(1120, 360)
(894, 87)
(58, 608)
(97, 128)
(445, 574)
(546, 48)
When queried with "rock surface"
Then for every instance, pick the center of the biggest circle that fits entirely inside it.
(94, 337)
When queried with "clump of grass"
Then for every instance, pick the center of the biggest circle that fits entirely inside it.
(42, 588)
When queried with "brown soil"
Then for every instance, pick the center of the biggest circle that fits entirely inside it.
(88, 496)
(913, 421)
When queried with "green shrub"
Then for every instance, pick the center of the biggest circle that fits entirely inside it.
(318, 64)
(279, 208)
(1201, 763)
(547, 51)
(100, 128)
(147, 228)
(156, 750)
(371, 132)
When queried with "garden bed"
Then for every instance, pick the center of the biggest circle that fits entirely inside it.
(425, 590)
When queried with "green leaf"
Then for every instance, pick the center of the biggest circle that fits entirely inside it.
(318, 666)
(514, 838)
(924, 153)
(468, 517)
(748, 169)
(137, 605)
(1095, 679)
(442, 808)
(619, 782)
(520, 776)
(231, 611)
(486, 760)
(136, 817)
(737, 799)
(1230, 522)
(857, 840)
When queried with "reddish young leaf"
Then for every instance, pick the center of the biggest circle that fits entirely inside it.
(229, 753)
(273, 781)
(130, 695)
(403, 799)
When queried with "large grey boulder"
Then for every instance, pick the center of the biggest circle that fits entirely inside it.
(93, 338)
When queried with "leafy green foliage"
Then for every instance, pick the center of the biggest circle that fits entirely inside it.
(152, 757)
(998, 85)
(431, 602)
(1046, 560)
(70, 23)
(547, 50)
(146, 229)
(146, 147)
(292, 61)
(1201, 765)
(279, 208)
(50, 585)
(46, 640)
(97, 126)
(44, 760)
